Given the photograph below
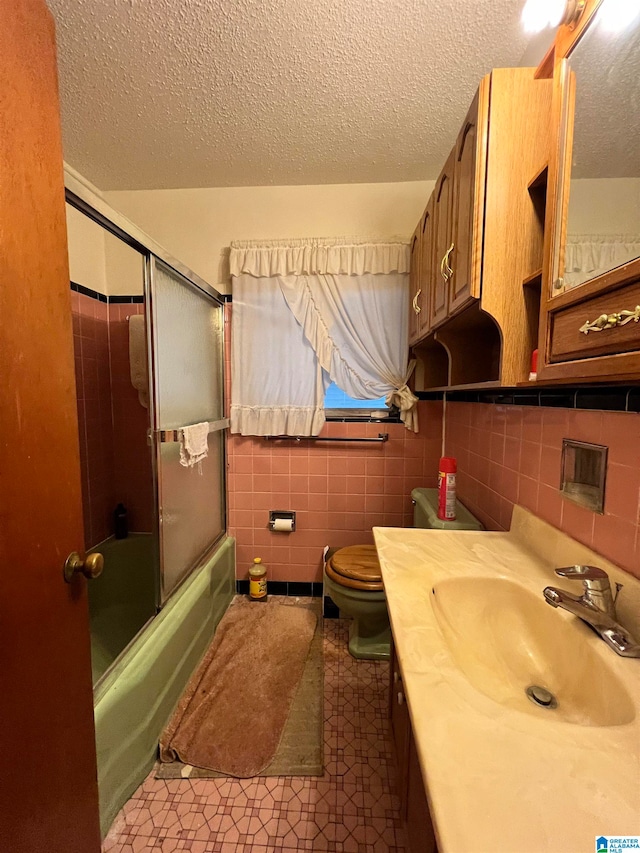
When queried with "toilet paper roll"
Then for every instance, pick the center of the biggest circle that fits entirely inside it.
(284, 524)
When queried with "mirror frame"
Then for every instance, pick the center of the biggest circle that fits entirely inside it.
(566, 39)
(555, 65)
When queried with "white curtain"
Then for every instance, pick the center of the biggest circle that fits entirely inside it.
(591, 255)
(336, 311)
(276, 381)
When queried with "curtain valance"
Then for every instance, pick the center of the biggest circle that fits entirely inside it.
(344, 256)
(589, 255)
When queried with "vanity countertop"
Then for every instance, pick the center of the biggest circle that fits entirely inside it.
(499, 779)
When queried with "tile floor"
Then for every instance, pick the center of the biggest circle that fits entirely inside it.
(353, 808)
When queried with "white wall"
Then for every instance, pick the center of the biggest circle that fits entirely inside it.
(124, 268)
(197, 225)
(604, 206)
(101, 261)
(86, 251)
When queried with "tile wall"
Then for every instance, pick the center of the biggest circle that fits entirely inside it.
(114, 456)
(93, 395)
(339, 491)
(132, 474)
(511, 454)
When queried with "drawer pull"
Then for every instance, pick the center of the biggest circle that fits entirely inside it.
(400, 699)
(416, 307)
(611, 321)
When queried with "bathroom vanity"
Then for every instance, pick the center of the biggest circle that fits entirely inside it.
(520, 723)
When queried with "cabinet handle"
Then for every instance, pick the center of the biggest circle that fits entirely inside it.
(442, 272)
(396, 676)
(610, 321)
(416, 307)
(446, 274)
(446, 262)
(400, 698)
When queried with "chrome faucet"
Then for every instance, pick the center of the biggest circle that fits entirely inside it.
(596, 606)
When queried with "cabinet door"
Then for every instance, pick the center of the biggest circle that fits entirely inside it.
(414, 284)
(468, 212)
(426, 270)
(401, 730)
(420, 835)
(442, 215)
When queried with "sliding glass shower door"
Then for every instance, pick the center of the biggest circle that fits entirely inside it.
(188, 364)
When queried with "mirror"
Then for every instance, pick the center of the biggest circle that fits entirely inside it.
(603, 215)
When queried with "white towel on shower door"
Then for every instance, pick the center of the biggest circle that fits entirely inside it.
(194, 444)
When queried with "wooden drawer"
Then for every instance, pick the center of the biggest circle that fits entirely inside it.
(568, 340)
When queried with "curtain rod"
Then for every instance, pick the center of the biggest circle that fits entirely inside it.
(382, 436)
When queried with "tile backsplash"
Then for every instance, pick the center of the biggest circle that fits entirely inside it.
(511, 455)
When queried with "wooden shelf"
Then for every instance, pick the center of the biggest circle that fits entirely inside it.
(470, 386)
(432, 363)
(464, 351)
(533, 280)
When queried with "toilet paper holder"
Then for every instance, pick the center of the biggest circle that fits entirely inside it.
(282, 515)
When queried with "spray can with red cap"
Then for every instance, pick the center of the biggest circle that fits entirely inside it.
(447, 488)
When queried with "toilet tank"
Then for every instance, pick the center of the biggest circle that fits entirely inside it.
(425, 513)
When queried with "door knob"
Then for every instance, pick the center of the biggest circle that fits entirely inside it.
(91, 567)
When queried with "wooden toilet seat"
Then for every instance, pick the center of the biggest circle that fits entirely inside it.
(356, 567)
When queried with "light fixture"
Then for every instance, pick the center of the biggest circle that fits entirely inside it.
(615, 15)
(539, 14)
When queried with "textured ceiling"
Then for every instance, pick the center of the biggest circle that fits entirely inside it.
(195, 93)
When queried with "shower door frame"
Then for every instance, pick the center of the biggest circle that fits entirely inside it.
(87, 201)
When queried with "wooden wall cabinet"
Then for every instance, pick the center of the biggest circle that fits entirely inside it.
(415, 284)
(421, 262)
(443, 244)
(465, 264)
(482, 250)
(426, 267)
(414, 807)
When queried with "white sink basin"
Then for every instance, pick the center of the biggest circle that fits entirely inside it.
(504, 638)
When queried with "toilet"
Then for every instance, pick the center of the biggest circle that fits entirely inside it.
(353, 580)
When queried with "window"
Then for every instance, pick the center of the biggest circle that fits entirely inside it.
(339, 406)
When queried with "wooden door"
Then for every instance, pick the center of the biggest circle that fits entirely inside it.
(468, 212)
(415, 284)
(443, 210)
(426, 270)
(48, 792)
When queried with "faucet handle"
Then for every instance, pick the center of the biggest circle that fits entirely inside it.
(582, 573)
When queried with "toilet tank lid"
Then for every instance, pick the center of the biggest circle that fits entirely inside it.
(427, 501)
